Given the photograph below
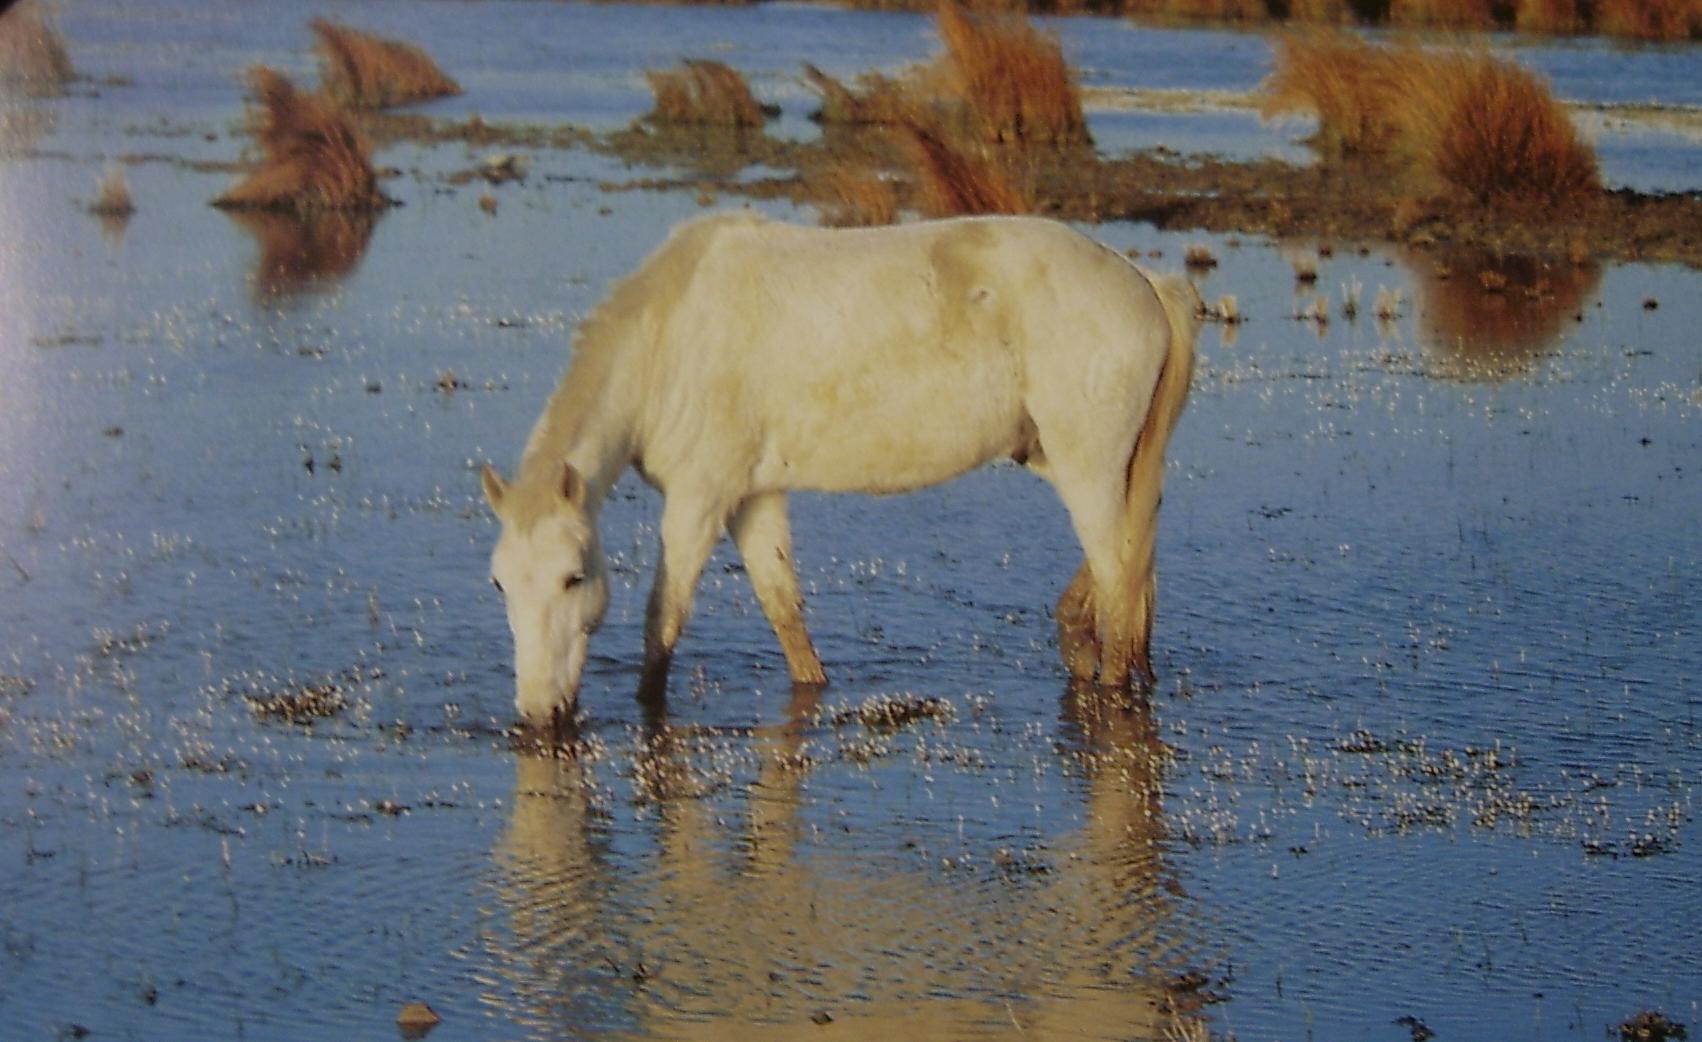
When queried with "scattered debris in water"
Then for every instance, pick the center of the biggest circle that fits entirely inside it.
(893, 712)
(1652, 1026)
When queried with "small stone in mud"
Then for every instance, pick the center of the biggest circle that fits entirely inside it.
(417, 1019)
(821, 1016)
(1420, 1030)
(1651, 1026)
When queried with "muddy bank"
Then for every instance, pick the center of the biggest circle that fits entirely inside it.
(1161, 187)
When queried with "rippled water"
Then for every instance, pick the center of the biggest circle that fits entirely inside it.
(1425, 743)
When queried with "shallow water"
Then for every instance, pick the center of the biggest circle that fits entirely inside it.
(1425, 743)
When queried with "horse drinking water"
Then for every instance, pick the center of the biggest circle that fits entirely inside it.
(747, 358)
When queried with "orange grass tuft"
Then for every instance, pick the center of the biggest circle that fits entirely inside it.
(33, 59)
(1339, 79)
(1012, 77)
(313, 157)
(364, 71)
(951, 180)
(1483, 126)
(703, 92)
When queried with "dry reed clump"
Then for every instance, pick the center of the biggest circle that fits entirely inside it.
(313, 157)
(1492, 129)
(33, 58)
(1479, 125)
(1650, 19)
(1552, 16)
(858, 200)
(364, 71)
(113, 198)
(877, 99)
(952, 180)
(1339, 79)
(1013, 78)
(705, 93)
(1445, 14)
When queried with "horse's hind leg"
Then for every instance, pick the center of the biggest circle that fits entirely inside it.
(765, 542)
(1078, 644)
(1096, 505)
(691, 525)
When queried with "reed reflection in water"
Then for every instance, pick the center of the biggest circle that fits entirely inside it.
(1485, 317)
(300, 253)
(752, 931)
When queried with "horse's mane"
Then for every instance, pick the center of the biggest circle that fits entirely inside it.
(629, 318)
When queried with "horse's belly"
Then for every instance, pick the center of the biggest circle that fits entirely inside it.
(908, 438)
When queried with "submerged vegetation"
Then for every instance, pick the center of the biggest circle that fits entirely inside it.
(364, 71)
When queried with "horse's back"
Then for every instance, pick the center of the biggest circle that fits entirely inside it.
(891, 358)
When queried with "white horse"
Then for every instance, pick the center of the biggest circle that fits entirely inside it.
(747, 358)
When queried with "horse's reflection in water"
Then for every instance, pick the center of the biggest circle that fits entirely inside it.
(752, 935)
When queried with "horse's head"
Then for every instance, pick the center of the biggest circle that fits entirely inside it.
(549, 566)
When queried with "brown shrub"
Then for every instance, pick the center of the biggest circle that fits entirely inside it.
(1552, 16)
(1012, 77)
(952, 180)
(33, 59)
(704, 93)
(1650, 19)
(858, 199)
(1466, 120)
(368, 72)
(1444, 14)
(1321, 12)
(313, 157)
(1189, 10)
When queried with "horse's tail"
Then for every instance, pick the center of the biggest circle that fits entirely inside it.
(1077, 610)
(1182, 310)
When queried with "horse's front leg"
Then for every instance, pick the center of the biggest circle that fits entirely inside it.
(765, 542)
(691, 525)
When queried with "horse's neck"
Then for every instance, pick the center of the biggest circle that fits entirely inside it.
(588, 424)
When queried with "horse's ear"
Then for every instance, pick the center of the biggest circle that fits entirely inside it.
(495, 488)
(572, 485)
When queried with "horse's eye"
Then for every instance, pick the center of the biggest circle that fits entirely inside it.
(573, 580)
(496, 584)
